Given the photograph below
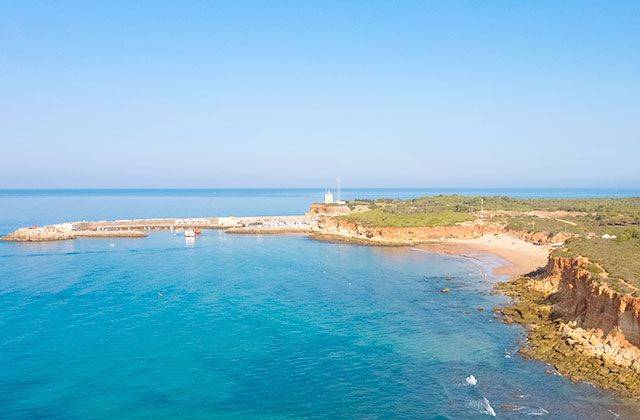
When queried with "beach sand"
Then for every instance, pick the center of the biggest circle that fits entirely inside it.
(522, 257)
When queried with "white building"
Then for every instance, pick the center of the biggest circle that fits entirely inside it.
(328, 198)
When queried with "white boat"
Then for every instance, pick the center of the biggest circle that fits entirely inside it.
(189, 233)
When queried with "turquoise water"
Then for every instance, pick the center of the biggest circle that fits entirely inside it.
(257, 327)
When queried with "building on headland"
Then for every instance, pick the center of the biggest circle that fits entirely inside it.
(328, 197)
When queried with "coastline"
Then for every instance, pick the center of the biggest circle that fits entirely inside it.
(469, 325)
(522, 257)
(581, 354)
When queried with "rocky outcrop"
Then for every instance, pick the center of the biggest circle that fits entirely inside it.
(319, 209)
(42, 234)
(612, 348)
(576, 322)
(545, 238)
(38, 235)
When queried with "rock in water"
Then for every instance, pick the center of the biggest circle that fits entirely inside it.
(511, 407)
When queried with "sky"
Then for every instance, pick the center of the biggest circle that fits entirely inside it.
(120, 94)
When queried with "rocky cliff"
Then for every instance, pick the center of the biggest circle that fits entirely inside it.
(579, 324)
(347, 230)
(340, 228)
(591, 303)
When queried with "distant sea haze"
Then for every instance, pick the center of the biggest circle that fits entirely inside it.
(348, 193)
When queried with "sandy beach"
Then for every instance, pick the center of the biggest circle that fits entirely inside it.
(521, 256)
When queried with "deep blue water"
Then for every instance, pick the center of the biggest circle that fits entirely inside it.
(253, 326)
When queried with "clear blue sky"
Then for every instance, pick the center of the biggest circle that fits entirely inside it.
(295, 93)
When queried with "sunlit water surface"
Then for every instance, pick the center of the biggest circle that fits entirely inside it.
(257, 326)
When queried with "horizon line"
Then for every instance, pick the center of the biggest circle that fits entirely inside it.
(315, 188)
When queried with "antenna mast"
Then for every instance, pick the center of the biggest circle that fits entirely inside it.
(339, 198)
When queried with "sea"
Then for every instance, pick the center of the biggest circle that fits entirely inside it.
(260, 326)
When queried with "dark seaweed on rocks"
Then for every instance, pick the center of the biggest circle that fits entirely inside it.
(550, 339)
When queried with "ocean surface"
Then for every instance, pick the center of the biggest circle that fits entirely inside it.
(257, 326)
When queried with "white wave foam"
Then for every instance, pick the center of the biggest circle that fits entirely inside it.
(538, 412)
(471, 380)
(483, 406)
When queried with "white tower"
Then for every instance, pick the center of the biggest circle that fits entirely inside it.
(328, 197)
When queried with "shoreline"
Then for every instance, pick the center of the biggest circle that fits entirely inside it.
(519, 261)
(521, 257)
(575, 352)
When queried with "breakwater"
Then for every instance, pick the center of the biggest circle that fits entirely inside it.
(141, 227)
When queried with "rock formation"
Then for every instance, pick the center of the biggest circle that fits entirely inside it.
(587, 330)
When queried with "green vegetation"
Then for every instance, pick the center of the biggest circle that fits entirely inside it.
(608, 210)
(382, 217)
(629, 234)
(579, 215)
(620, 258)
(528, 223)
(585, 220)
(594, 269)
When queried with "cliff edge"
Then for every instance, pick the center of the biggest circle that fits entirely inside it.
(587, 330)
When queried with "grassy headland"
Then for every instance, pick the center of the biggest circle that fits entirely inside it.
(583, 220)
(382, 217)
(617, 262)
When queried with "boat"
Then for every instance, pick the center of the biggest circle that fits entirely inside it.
(189, 233)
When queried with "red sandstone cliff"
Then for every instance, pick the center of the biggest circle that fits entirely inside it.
(338, 227)
(401, 235)
(590, 303)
